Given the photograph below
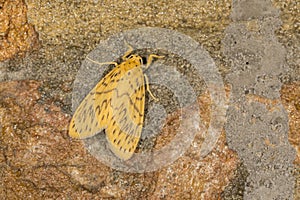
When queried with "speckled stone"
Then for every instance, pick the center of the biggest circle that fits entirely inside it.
(290, 97)
(17, 36)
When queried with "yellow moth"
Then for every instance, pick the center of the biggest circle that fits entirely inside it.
(116, 104)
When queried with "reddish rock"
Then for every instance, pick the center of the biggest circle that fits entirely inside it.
(17, 36)
(290, 96)
(39, 160)
(193, 177)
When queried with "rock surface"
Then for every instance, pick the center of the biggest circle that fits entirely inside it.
(39, 160)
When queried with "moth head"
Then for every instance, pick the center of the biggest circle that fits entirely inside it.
(135, 61)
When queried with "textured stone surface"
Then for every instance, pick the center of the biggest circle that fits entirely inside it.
(202, 178)
(17, 36)
(257, 123)
(39, 159)
(68, 30)
(290, 96)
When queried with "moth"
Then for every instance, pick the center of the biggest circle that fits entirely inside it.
(116, 105)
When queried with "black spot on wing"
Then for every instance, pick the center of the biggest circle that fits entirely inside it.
(105, 84)
(139, 98)
(98, 110)
(104, 104)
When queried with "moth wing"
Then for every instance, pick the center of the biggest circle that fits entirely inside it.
(128, 103)
(90, 117)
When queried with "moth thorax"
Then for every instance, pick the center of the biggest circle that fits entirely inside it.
(132, 62)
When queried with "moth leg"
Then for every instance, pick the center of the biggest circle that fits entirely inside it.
(148, 89)
(103, 63)
(128, 52)
(150, 59)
